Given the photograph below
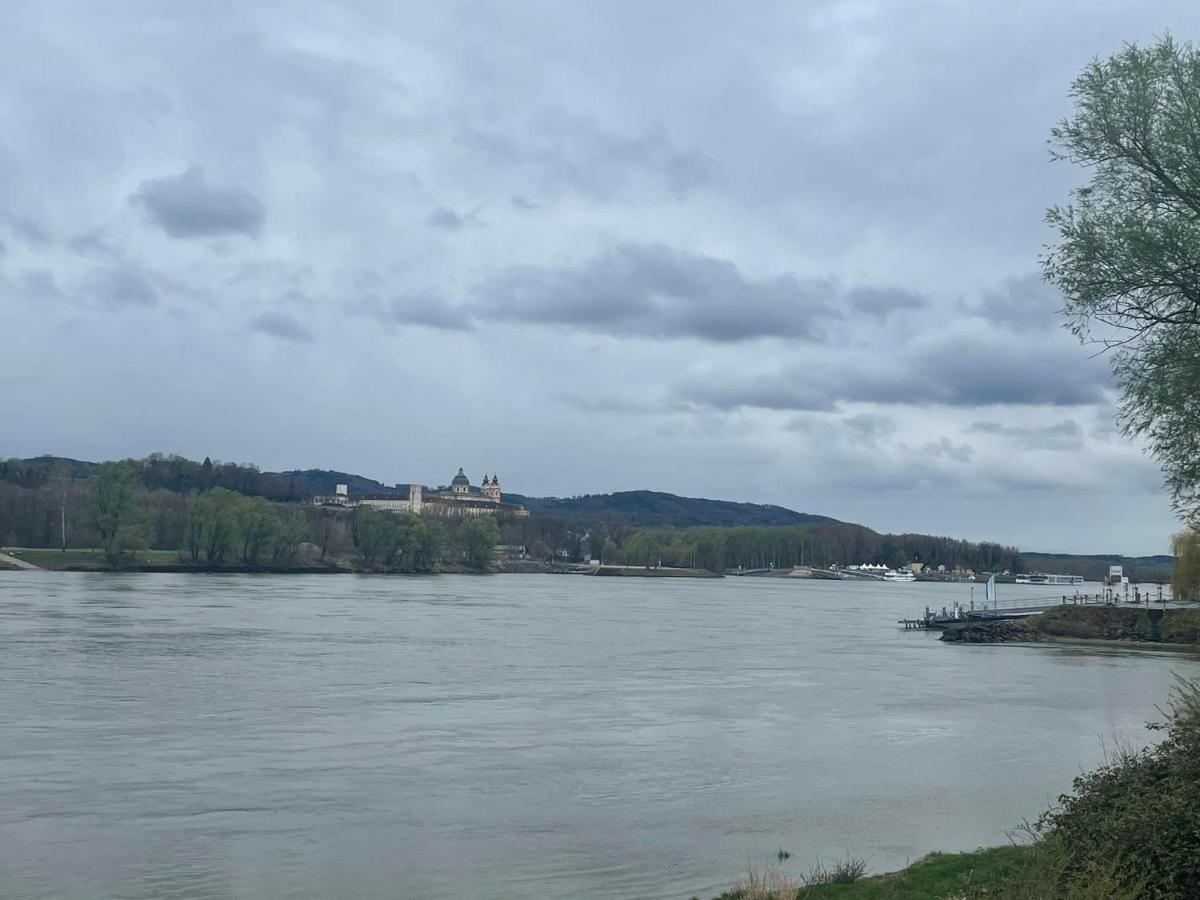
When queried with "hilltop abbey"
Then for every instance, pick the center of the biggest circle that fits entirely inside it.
(461, 498)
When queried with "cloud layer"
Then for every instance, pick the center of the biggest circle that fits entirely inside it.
(785, 253)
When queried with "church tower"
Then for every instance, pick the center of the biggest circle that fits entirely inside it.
(491, 488)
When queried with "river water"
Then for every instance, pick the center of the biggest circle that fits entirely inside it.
(208, 736)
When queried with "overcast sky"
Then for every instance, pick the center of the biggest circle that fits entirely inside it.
(780, 252)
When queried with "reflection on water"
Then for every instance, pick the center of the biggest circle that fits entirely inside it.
(249, 736)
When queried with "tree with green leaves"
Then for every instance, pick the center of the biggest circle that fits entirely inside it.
(1185, 577)
(257, 524)
(372, 532)
(479, 541)
(114, 510)
(430, 541)
(219, 513)
(292, 531)
(1127, 259)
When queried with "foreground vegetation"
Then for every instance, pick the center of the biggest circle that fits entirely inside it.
(1129, 829)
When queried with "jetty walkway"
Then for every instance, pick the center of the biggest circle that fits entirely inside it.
(1018, 608)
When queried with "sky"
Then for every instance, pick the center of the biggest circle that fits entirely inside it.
(777, 252)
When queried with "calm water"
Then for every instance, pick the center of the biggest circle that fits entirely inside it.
(516, 736)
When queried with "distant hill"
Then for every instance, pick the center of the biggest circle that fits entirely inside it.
(1095, 567)
(324, 481)
(654, 508)
(639, 509)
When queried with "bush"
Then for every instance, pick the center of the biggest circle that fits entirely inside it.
(847, 871)
(1136, 819)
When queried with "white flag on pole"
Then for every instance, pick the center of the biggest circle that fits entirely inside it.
(990, 591)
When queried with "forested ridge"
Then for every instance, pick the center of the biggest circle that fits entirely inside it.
(219, 513)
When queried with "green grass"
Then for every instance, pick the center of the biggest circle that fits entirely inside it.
(49, 558)
(935, 877)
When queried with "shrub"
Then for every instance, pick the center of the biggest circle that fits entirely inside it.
(1136, 819)
(847, 871)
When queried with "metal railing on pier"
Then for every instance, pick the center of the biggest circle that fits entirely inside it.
(1010, 609)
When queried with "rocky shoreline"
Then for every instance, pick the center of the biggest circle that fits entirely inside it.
(1091, 623)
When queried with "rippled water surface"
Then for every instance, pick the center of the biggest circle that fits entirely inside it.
(516, 736)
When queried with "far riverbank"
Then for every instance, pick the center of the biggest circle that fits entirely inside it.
(169, 561)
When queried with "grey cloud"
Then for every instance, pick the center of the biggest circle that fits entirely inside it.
(948, 449)
(123, 285)
(791, 390)
(869, 426)
(1024, 303)
(282, 325)
(650, 290)
(187, 206)
(30, 232)
(39, 286)
(565, 150)
(522, 204)
(882, 302)
(92, 241)
(425, 309)
(1064, 435)
(956, 371)
(947, 372)
(623, 405)
(451, 220)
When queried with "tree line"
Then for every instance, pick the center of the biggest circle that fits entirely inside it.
(112, 509)
(130, 505)
(821, 544)
(159, 471)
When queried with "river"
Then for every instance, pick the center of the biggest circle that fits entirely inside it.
(209, 736)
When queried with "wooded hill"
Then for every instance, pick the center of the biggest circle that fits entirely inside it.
(43, 503)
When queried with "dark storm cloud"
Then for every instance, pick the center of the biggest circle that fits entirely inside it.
(655, 291)
(187, 206)
(281, 325)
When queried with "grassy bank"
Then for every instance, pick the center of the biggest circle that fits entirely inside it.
(643, 572)
(1090, 623)
(81, 560)
(938, 875)
(1129, 829)
(49, 558)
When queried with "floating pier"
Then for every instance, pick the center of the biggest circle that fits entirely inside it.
(1004, 609)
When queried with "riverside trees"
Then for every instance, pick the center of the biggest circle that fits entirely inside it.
(114, 510)
(404, 542)
(1127, 258)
